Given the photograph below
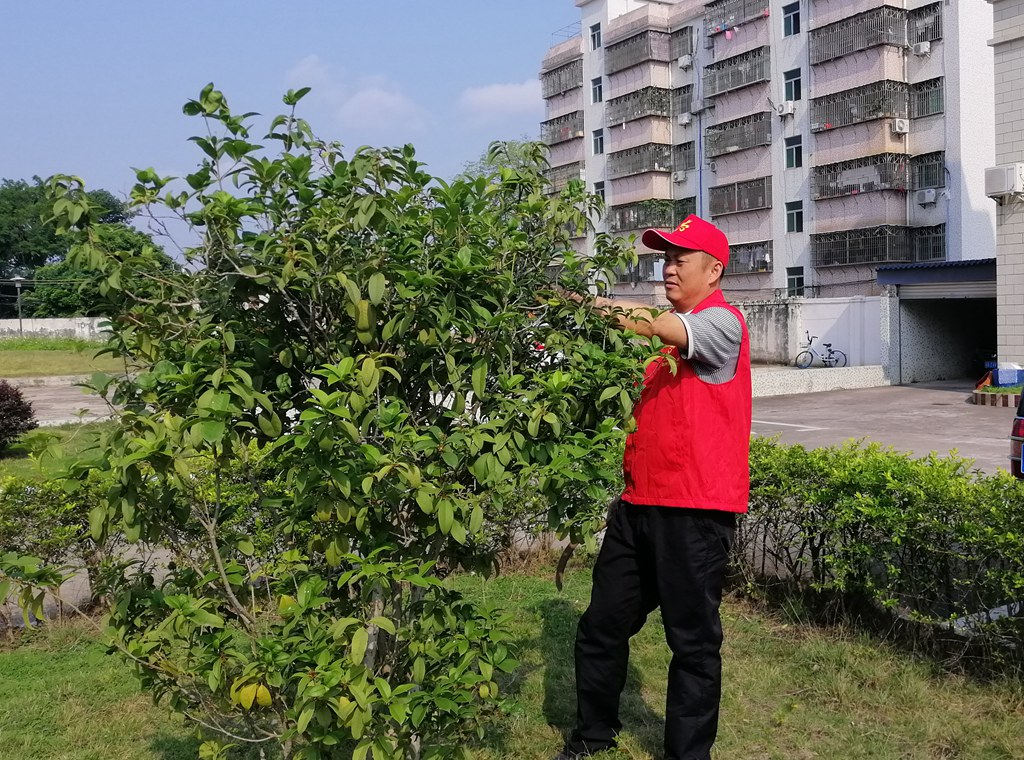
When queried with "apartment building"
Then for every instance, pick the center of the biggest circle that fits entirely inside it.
(825, 137)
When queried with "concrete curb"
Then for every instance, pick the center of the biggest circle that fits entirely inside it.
(47, 382)
(996, 399)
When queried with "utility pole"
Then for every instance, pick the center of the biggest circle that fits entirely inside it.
(17, 283)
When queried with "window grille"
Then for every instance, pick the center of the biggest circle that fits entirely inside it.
(877, 100)
(885, 171)
(681, 42)
(925, 24)
(741, 196)
(881, 26)
(682, 99)
(739, 134)
(646, 46)
(739, 71)
(725, 14)
(642, 271)
(652, 157)
(747, 258)
(684, 156)
(562, 79)
(650, 101)
(665, 214)
(559, 176)
(927, 98)
(876, 245)
(562, 128)
(930, 243)
(928, 170)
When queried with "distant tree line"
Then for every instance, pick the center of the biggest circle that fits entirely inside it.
(31, 249)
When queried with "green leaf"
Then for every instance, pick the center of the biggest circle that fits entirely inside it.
(445, 515)
(212, 431)
(385, 624)
(375, 288)
(304, 717)
(479, 377)
(246, 547)
(419, 670)
(271, 426)
(476, 519)
(359, 641)
(607, 393)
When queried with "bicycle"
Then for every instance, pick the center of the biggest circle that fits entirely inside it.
(831, 357)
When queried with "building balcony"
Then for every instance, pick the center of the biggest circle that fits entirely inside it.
(650, 101)
(750, 258)
(739, 71)
(560, 176)
(884, 25)
(874, 245)
(647, 46)
(737, 197)
(562, 128)
(642, 215)
(739, 134)
(878, 100)
(725, 14)
(652, 157)
(885, 171)
(566, 77)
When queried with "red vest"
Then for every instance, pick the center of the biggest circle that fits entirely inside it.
(692, 440)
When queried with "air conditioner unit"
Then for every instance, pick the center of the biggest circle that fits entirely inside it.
(922, 48)
(684, 118)
(685, 61)
(679, 177)
(787, 108)
(713, 166)
(578, 133)
(925, 197)
(900, 126)
(1006, 179)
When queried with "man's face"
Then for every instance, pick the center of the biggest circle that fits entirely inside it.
(690, 276)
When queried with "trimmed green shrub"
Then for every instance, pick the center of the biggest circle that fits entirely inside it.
(929, 540)
(16, 415)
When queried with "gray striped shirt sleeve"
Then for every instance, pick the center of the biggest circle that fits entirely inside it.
(714, 337)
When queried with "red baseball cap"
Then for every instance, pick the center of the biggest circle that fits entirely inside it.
(693, 234)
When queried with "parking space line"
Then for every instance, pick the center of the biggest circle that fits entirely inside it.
(800, 428)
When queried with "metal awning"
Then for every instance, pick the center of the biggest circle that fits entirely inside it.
(935, 280)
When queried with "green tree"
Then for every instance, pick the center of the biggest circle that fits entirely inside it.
(355, 362)
(28, 239)
(520, 154)
(64, 290)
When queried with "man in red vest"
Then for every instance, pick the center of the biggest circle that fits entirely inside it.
(687, 476)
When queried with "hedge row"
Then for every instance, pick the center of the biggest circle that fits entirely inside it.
(928, 540)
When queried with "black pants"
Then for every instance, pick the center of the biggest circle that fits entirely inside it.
(655, 557)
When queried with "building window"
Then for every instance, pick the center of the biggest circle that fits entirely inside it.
(795, 216)
(595, 36)
(794, 281)
(792, 79)
(794, 152)
(599, 190)
(596, 90)
(598, 142)
(790, 19)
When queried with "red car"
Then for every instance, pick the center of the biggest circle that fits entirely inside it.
(1016, 440)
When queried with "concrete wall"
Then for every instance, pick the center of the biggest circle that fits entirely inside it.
(83, 328)
(778, 328)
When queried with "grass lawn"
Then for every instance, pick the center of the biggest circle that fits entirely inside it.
(43, 357)
(792, 691)
(73, 440)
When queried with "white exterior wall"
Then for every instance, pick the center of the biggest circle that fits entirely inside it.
(82, 328)
(1008, 44)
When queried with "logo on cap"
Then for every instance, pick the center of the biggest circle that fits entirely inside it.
(683, 226)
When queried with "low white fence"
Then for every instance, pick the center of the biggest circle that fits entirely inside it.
(82, 328)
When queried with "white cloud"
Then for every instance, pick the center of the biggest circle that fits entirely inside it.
(371, 108)
(309, 72)
(378, 103)
(495, 103)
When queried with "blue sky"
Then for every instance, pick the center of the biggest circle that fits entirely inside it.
(94, 88)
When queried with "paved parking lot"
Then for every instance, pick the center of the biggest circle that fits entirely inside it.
(914, 418)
